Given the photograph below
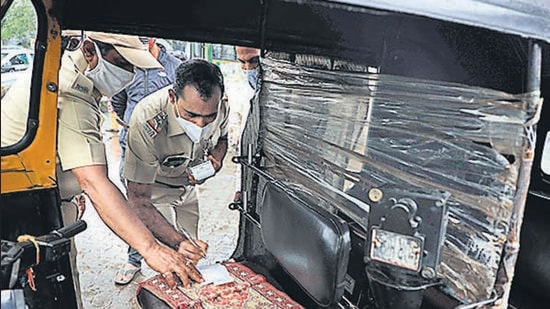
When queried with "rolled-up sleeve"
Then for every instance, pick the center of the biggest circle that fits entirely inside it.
(79, 138)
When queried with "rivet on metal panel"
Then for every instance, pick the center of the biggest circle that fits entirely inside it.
(375, 194)
(60, 278)
(51, 86)
(54, 32)
(428, 273)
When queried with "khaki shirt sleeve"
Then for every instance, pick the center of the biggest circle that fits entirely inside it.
(79, 137)
(15, 110)
(141, 162)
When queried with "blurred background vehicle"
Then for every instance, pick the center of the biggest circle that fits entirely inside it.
(16, 59)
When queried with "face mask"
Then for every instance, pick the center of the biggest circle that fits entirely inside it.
(252, 77)
(108, 78)
(195, 132)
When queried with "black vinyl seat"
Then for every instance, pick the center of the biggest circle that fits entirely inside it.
(311, 244)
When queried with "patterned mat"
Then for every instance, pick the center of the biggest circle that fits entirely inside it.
(249, 290)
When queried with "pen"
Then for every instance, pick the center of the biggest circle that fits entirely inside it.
(193, 242)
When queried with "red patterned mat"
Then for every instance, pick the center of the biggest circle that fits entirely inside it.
(249, 290)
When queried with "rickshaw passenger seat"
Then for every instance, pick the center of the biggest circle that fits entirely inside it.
(311, 244)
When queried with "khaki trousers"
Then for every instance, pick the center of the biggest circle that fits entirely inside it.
(179, 206)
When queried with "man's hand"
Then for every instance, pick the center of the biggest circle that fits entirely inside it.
(237, 196)
(170, 264)
(215, 157)
(191, 252)
(216, 164)
(79, 200)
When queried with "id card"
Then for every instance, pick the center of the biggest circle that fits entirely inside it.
(202, 171)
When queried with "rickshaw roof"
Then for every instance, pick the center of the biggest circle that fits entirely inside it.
(252, 22)
(529, 19)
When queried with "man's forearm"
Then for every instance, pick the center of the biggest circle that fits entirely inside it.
(113, 209)
(220, 150)
(119, 102)
(139, 198)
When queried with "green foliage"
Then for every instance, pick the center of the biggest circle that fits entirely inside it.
(19, 24)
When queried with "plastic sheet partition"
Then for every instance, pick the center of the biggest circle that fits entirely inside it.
(327, 133)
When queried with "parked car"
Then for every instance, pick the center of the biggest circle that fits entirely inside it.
(16, 59)
(11, 46)
(392, 155)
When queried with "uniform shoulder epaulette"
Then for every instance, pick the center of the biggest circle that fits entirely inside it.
(154, 125)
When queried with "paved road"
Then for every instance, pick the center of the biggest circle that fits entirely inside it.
(101, 253)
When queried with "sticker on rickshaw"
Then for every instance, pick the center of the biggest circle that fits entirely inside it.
(396, 249)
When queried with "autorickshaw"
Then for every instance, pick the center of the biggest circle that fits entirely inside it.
(396, 153)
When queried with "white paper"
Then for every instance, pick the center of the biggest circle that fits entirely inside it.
(202, 171)
(215, 273)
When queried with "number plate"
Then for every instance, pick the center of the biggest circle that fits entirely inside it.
(396, 249)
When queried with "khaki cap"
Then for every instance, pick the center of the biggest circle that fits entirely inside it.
(129, 47)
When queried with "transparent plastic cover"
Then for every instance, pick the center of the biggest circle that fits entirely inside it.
(324, 130)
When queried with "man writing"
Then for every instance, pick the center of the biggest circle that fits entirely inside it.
(146, 81)
(102, 66)
(177, 138)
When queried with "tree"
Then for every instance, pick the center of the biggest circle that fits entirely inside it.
(20, 23)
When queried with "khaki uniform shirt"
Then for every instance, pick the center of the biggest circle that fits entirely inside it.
(79, 139)
(15, 108)
(158, 148)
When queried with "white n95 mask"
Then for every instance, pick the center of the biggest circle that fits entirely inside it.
(108, 78)
(195, 132)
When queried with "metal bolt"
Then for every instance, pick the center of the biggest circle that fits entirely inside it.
(33, 123)
(428, 273)
(375, 194)
(51, 86)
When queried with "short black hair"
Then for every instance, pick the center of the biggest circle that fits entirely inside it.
(201, 74)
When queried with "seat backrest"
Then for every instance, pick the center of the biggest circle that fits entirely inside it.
(311, 244)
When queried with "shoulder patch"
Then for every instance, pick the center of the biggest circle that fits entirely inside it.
(154, 125)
